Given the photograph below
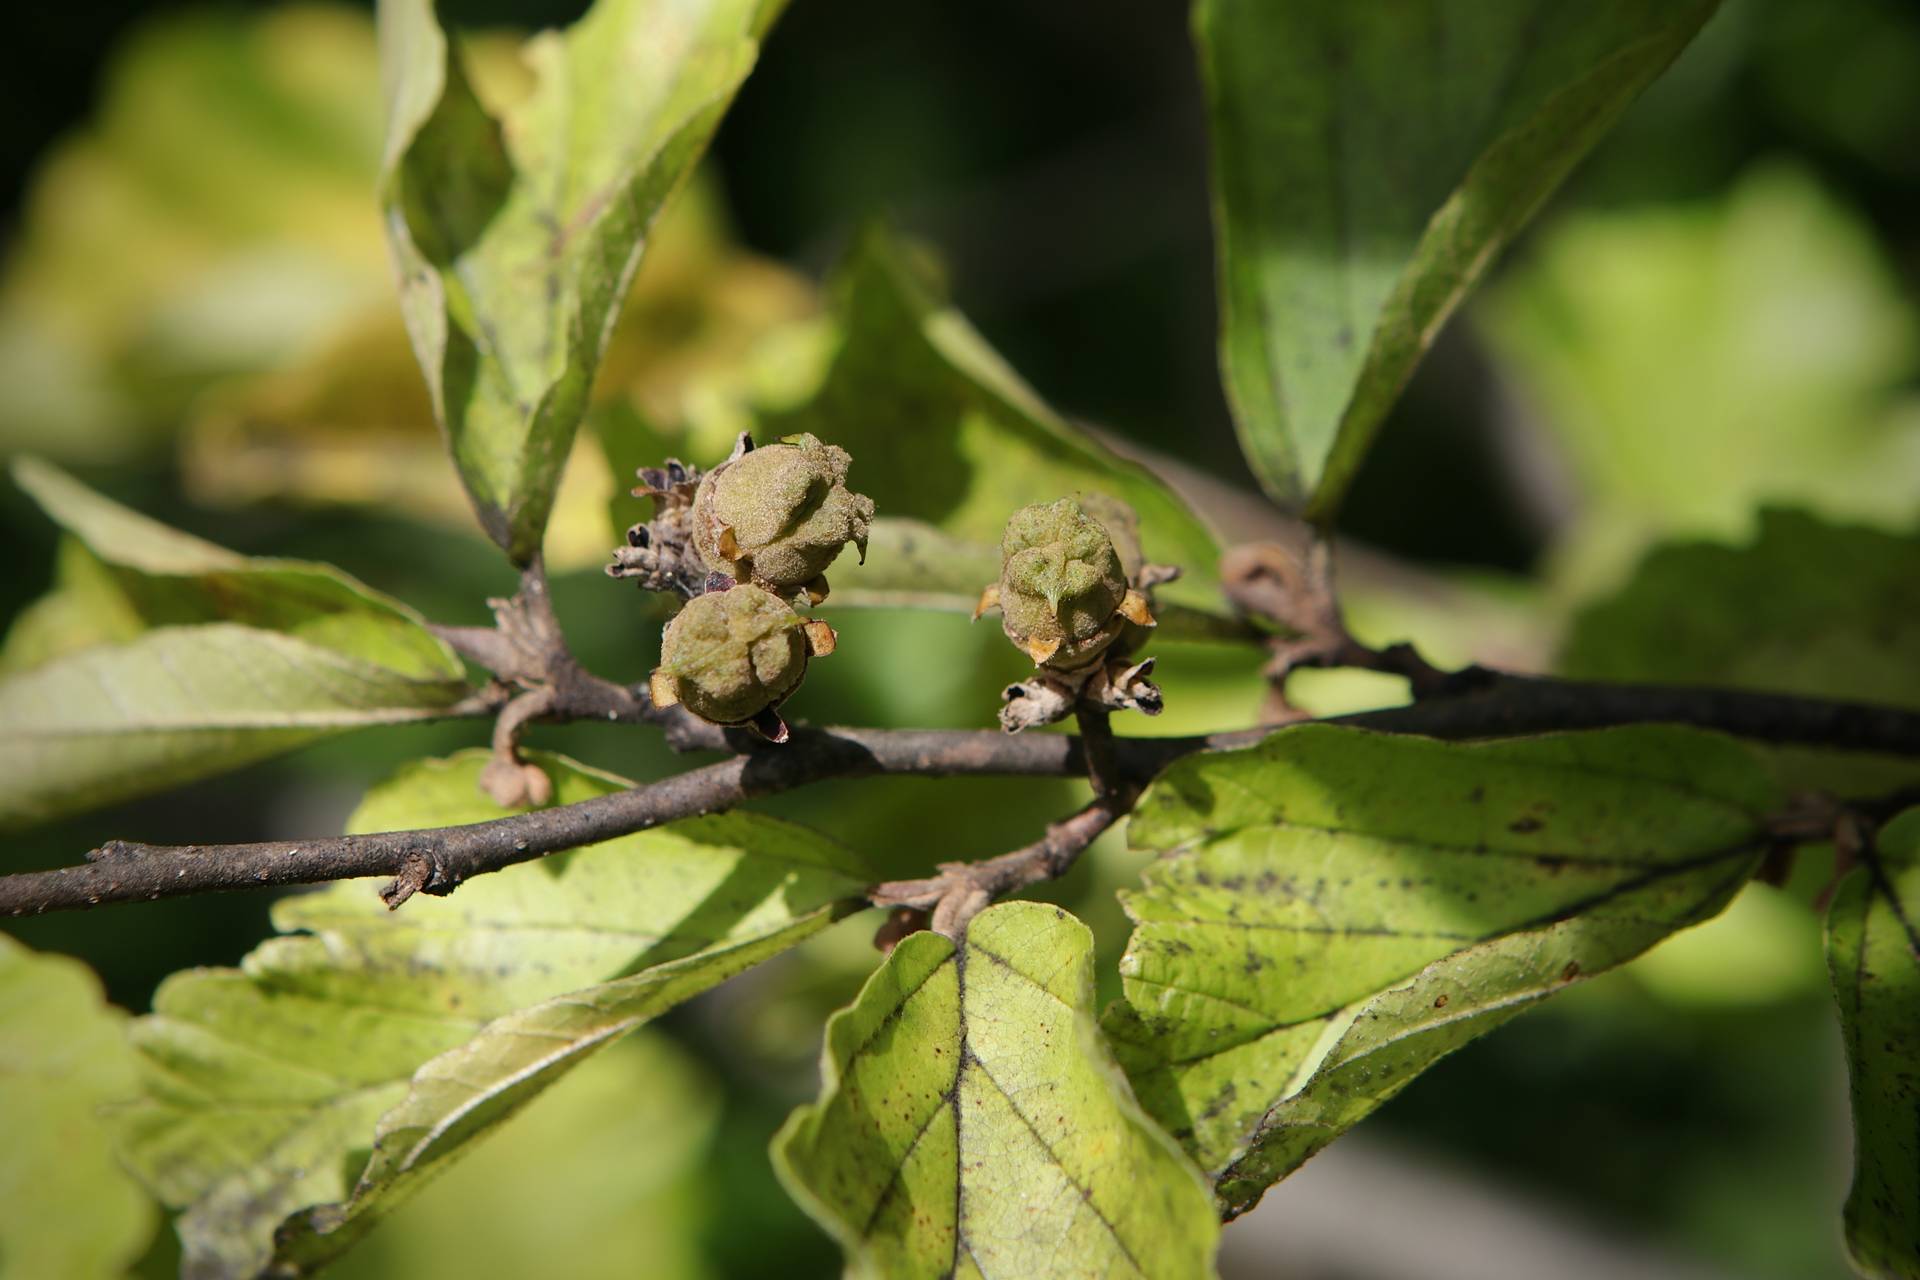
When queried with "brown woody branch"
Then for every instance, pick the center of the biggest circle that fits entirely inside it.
(963, 889)
(1484, 705)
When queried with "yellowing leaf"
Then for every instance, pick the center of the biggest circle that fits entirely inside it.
(213, 218)
(265, 1084)
(66, 1209)
(1333, 910)
(162, 658)
(972, 1123)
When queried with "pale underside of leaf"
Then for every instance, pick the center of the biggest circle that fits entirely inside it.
(1873, 952)
(972, 1121)
(264, 1086)
(1369, 162)
(1334, 910)
(182, 703)
(159, 659)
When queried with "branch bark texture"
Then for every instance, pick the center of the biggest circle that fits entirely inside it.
(437, 860)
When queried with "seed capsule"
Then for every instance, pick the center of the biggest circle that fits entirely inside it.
(778, 516)
(733, 656)
(1062, 593)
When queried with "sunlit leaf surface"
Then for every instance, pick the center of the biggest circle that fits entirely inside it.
(266, 1085)
(972, 1122)
(1333, 910)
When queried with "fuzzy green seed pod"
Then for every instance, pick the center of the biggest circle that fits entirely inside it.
(778, 516)
(1061, 591)
(732, 656)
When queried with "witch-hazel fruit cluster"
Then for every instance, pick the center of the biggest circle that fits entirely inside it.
(748, 544)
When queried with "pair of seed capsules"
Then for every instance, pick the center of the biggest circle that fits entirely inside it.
(766, 524)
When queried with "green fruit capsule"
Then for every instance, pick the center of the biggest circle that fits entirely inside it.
(731, 657)
(1062, 593)
(777, 516)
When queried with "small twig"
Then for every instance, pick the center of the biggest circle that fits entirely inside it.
(963, 889)
(509, 780)
(527, 648)
(1096, 743)
(1294, 590)
(1499, 706)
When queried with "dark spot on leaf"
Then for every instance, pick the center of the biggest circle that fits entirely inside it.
(1521, 826)
(1571, 972)
(1440, 1001)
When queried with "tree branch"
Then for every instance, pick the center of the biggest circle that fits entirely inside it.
(963, 889)
(435, 860)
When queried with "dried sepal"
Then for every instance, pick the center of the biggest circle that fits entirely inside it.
(821, 638)
(1050, 696)
(1121, 684)
(659, 552)
(779, 515)
(732, 656)
(1135, 608)
(1041, 699)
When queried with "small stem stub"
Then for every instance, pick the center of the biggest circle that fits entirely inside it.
(1294, 590)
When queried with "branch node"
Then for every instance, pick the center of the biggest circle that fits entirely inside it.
(421, 871)
(962, 890)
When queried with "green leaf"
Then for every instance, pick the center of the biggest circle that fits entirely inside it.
(951, 443)
(464, 1092)
(1808, 607)
(86, 607)
(1369, 162)
(1333, 910)
(1873, 952)
(1695, 361)
(160, 658)
(971, 1121)
(600, 1171)
(516, 238)
(265, 1085)
(66, 1209)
